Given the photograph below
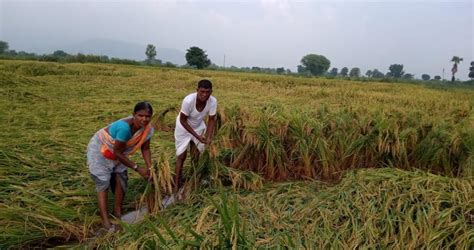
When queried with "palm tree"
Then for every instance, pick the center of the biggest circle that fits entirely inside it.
(471, 71)
(456, 60)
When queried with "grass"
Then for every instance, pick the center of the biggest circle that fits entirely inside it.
(273, 128)
(373, 208)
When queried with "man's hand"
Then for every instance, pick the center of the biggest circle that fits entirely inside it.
(144, 172)
(203, 139)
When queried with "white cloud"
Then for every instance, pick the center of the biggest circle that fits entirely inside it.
(277, 9)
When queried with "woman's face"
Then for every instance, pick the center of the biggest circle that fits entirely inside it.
(142, 117)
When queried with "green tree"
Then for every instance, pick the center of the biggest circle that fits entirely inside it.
(3, 47)
(396, 70)
(456, 60)
(81, 58)
(471, 71)
(333, 72)
(302, 70)
(355, 72)
(377, 74)
(169, 65)
(368, 73)
(408, 76)
(256, 69)
(437, 78)
(197, 57)
(280, 70)
(425, 77)
(315, 64)
(150, 53)
(60, 54)
(344, 71)
(11, 52)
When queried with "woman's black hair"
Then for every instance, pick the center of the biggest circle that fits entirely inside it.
(143, 106)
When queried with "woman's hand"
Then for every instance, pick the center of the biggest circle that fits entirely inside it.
(144, 172)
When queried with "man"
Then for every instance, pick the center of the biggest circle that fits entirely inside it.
(190, 127)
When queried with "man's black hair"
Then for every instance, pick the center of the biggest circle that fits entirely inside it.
(205, 84)
(143, 106)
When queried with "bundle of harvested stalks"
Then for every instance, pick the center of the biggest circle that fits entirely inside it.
(208, 171)
(160, 185)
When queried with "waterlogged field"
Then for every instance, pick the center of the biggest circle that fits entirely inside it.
(297, 162)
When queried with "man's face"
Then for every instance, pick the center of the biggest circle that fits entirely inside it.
(142, 117)
(203, 94)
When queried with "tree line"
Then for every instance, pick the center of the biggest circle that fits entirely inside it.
(311, 64)
(317, 65)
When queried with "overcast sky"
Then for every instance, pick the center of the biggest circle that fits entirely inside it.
(421, 35)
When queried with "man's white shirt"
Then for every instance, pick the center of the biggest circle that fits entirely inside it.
(196, 118)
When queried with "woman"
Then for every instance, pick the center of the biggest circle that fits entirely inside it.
(107, 157)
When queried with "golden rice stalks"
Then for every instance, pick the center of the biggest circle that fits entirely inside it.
(370, 208)
(160, 184)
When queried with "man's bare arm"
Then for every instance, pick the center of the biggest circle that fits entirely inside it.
(211, 125)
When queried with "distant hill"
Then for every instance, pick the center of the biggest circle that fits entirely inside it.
(121, 49)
